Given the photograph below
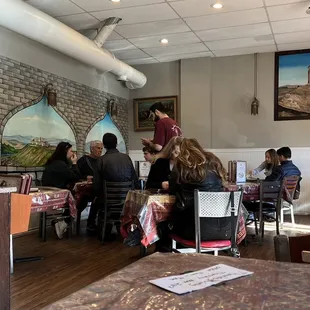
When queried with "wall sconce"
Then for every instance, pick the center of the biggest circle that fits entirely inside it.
(112, 107)
(254, 106)
(51, 95)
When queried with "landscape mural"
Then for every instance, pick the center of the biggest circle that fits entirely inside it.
(292, 85)
(104, 126)
(31, 136)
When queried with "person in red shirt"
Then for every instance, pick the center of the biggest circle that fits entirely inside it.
(165, 128)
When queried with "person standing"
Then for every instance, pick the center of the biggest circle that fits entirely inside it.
(165, 128)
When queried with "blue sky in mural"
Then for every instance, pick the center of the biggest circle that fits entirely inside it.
(293, 69)
(104, 126)
(39, 120)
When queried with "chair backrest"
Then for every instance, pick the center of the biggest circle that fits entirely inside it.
(115, 192)
(270, 191)
(290, 185)
(217, 205)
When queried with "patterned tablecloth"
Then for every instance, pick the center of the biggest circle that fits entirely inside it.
(145, 210)
(250, 190)
(273, 286)
(49, 198)
(82, 189)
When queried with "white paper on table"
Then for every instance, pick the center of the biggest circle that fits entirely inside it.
(200, 279)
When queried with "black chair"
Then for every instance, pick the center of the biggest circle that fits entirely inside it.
(269, 201)
(114, 198)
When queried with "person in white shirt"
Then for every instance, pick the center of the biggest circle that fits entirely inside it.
(271, 162)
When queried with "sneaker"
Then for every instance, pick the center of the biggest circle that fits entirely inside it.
(60, 228)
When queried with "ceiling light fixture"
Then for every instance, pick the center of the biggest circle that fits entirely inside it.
(164, 41)
(115, 0)
(216, 5)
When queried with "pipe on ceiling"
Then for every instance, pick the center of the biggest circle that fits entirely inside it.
(28, 21)
(106, 29)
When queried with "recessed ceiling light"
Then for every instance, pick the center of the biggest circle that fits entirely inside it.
(164, 41)
(216, 5)
(115, 0)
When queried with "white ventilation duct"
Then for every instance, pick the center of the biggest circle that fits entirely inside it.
(28, 21)
(106, 29)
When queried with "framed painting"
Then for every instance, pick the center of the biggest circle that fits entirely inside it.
(141, 111)
(292, 85)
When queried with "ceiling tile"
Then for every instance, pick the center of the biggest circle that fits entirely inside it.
(244, 51)
(91, 34)
(289, 11)
(190, 8)
(184, 56)
(303, 36)
(293, 46)
(98, 5)
(118, 45)
(130, 54)
(140, 61)
(241, 43)
(301, 24)
(227, 19)
(279, 2)
(151, 29)
(174, 39)
(174, 50)
(56, 7)
(80, 21)
(139, 14)
(234, 32)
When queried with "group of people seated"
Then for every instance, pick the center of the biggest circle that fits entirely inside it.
(178, 166)
(63, 170)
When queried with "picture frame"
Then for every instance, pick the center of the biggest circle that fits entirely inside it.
(141, 107)
(292, 85)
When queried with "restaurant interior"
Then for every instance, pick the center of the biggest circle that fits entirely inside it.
(215, 213)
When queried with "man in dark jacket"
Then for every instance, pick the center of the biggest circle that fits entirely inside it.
(286, 168)
(114, 166)
(88, 165)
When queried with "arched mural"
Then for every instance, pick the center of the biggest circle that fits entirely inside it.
(32, 134)
(104, 126)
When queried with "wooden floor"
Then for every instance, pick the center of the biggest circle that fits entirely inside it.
(72, 264)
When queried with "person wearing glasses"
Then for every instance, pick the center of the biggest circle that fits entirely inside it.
(61, 171)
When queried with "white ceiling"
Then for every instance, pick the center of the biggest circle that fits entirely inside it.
(193, 28)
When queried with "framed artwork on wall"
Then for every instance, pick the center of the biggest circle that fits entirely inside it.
(292, 85)
(141, 111)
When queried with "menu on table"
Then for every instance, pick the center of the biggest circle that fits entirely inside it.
(197, 280)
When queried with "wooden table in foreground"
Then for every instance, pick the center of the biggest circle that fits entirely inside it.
(273, 286)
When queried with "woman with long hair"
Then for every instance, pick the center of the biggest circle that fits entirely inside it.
(270, 163)
(197, 169)
(158, 177)
(61, 171)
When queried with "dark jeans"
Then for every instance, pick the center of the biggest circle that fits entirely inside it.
(93, 209)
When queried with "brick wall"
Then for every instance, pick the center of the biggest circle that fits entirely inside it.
(81, 106)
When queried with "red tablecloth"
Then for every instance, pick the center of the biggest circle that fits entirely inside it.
(250, 190)
(48, 198)
(146, 210)
(82, 189)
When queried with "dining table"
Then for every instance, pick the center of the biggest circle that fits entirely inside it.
(272, 286)
(145, 209)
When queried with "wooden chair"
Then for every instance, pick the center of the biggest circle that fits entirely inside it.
(212, 205)
(289, 184)
(114, 198)
(290, 249)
